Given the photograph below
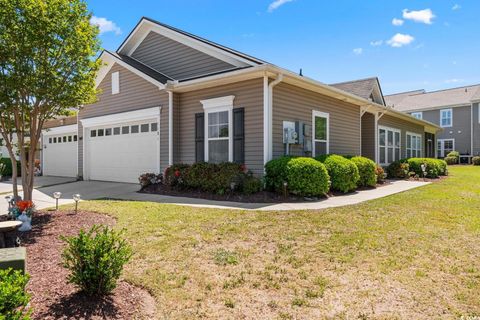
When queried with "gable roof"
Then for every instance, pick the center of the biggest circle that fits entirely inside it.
(422, 100)
(145, 25)
(363, 88)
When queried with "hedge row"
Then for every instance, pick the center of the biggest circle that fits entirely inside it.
(402, 168)
(315, 177)
(7, 171)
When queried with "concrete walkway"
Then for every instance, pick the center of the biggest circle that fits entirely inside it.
(92, 190)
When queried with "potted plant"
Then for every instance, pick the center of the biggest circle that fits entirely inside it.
(23, 211)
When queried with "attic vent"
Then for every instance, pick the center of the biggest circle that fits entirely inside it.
(115, 83)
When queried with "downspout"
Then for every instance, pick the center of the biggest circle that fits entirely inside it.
(471, 129)
(170, 128)
(270, 114)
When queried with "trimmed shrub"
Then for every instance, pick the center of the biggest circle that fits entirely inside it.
(476, 161)
(148, 179)
(454, 154)
(398, 169)
(276, 173)
(215, 178)
(251, 184)
(343, 173)
(451, 160)
(13, 297)
(380, 173)
(174, 176)
(434, 167)
(307, 177)
(366, 170)
(96, 259)
(8, 167)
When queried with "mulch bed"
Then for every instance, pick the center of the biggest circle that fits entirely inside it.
(52, 296)
(259, 197)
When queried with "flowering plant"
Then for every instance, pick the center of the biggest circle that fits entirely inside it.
(27, 207)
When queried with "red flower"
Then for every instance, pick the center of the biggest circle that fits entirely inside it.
(24, 205)
(243, 168)
(177, 173)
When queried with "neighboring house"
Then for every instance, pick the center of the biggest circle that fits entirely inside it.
(455, 110)
(167, 96)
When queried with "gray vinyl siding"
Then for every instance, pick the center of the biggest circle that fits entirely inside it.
(248, 95)
(135, 93)
(175, 59)
(476, 129)
(404, 126)
(291, 103)
(460, 130)
(368, 136)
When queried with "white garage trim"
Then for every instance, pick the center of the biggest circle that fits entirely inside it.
(118, 118)
(60, 130)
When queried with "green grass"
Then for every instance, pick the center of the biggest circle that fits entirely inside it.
(411, 255)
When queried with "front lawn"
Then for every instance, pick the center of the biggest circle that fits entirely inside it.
(413, 255)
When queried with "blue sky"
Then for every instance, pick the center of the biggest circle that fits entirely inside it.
(407, 44)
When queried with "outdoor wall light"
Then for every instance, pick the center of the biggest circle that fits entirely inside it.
(76, 197)
(57, 196)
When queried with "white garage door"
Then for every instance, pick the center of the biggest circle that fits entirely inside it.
(122, 152)
(59, 154)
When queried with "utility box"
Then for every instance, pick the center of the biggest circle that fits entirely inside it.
(290, 134)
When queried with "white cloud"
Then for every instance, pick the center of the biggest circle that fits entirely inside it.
(376, 43)
(358, 51)
(456, 7)
(277, 4)
(400, 40)
(397, 22)
(454, 80)
(422, 16)
(105, 25)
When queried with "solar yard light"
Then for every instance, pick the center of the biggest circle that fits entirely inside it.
(9, 201)
(76, 197)
(57, 196)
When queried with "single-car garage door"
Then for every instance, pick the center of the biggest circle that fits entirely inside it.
(59, 153)
(122, 152)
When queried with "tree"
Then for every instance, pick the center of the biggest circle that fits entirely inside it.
(47, 67)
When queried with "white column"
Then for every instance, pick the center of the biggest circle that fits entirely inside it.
(170, 128)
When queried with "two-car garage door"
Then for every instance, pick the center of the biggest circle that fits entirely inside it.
(59, 152)
(122, 151)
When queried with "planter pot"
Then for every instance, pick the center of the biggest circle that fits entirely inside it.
(26, 222)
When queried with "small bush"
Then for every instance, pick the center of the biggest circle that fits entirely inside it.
(451, 160)
(96, 259)
(366, 169)
(251, 184)
(148, 179)
(215, 178)
(343, 173)
(174, 176)
(454, 154)
(434, 167)
(276, 173)
(398, 169)
(442, 164)
(307, 177)
(8, 167)
(380, 173)
(476, 161)
(13, 297)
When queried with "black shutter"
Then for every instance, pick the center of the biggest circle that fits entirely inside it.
(199, 137)
(239, 135)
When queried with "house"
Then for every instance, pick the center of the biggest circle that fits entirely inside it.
(167, 96)
(456, 110)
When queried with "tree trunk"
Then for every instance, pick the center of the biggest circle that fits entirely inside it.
(14, 174)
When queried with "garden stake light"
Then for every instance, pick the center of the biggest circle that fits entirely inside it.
(76, 198)
(57, 196)
(285, 184)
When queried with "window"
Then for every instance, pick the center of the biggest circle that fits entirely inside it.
(49, 140)
(418, 115)
(444, 147)
(126, 130)
(218, 129)
(389, 143)
(101, 132)
(116, 131)
(115, 83)
(446, 118)
(55, 140)
(108, 132)
(134, 129)
(154, 127)
(414, 145)
(69, 138)
(75, 138)
(144, 127)
(320, 126)
(93, 133)
(64, 138)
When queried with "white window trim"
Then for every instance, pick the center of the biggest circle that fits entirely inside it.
(320, 114)
(218, 105)
(413, 134)
(418, 115)
(443, 145)
(386, 144)
(451, 118)
(115, 82)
